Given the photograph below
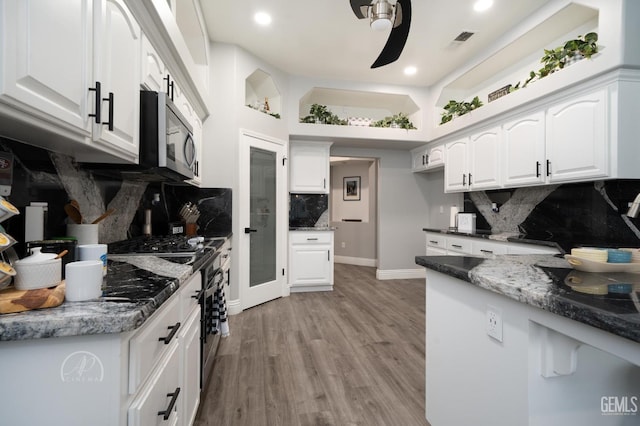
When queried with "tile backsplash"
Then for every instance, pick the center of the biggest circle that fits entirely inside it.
(590, 213)
(40, 175)
(308, 210)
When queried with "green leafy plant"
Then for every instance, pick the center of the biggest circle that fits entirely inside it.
(456, 109)
(273, 114)
(399, 120)
(320, 114)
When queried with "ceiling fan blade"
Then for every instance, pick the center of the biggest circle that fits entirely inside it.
(359, 7)
(398, 36)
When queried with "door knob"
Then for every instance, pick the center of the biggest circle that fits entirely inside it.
(249, 230)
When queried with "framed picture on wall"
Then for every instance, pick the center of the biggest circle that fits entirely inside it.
(351, 188)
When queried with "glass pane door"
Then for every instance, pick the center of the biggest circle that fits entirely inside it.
(262, 251)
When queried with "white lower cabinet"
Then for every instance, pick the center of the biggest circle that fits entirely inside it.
(310, 260)
(158, 401)
(440, 244)
(190, 369)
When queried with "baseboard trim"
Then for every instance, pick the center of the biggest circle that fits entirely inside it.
(358, 261)
(400, 274)
(233, 307)
(307, 288)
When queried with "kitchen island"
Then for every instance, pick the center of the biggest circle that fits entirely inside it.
(120, 359)
(518, 339)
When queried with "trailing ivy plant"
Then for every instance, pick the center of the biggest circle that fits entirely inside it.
(397, 120)
(552, 61)
(320, 114)
(456, 109)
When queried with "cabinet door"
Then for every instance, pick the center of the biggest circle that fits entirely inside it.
(311, 264)
(455, 168)
(577, 138)
(46, 58)
(436, 156)
(484, 158)
(419, 160)
(190, 368)
(117, 61)
(523, 142)
(309, 168)
(152, 67)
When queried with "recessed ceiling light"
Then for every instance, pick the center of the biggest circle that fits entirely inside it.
(410, 70)
(262, 18)
(482, 5)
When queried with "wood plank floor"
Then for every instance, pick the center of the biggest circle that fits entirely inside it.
(354, 356)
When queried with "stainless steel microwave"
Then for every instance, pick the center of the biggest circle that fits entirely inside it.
(166, 138)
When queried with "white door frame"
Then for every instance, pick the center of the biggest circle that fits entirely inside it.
(282, 220)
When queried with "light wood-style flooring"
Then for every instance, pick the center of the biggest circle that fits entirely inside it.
(354, 356)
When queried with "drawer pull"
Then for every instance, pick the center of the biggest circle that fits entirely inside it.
(486, 251)
(98, 101)
(174, 397)
(109, 123)
(197, 294)
(456, 246)
(174, 330)
(312, 239)
(433, 242)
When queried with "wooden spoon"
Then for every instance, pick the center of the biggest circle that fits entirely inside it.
(73, 211)
(62, 253)
(103, 216)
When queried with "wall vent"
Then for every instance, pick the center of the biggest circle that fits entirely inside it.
(463, 36)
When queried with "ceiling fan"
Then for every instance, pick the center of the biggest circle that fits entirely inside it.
(383, 16)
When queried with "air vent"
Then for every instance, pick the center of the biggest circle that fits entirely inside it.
(463, 36)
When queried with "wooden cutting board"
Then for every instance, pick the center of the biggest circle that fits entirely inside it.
(12, 300)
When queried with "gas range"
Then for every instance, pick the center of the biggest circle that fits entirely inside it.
(164, 246)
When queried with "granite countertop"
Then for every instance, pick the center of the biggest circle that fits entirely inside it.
(135, 287)
(550, 283)
(511, 237)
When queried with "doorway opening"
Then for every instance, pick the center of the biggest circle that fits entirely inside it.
(354, 209)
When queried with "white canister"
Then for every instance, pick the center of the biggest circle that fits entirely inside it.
(93, 252)
(85, 233)
(83, 280)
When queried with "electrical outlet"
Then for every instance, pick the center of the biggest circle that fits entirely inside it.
(493, 321)
(343, 244)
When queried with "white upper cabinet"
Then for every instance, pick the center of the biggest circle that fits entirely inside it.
(309, 167)
(73, 68)
(46, 58)
(117, 63)
(153, 68)
(484, 159)
(425, 159)
(524, 151)
(472, 163)
(577, 138)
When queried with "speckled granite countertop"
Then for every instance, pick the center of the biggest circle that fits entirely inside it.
(136, 286)
(548, 282)
(504, 236)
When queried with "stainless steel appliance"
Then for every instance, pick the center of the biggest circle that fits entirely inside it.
(166, 137)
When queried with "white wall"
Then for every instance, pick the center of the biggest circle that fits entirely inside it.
(359, 238)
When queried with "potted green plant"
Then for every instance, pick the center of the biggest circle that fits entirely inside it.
(321, 115)
(456, 109)
(399, 120)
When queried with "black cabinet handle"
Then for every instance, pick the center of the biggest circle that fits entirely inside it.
(433, 242)
(110, 122)
(169, 86)
(548, 168)
(469, 179)
(197, 294)
(97, 102)
(464, 179)
(456, 246)
(174, 330)
(486, 251)
(312, 239)
(537, 169)
(249, 230)
(324, 183)
(328, 255)
(174, 397)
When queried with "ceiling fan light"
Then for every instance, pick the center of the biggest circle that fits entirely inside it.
(381, 15)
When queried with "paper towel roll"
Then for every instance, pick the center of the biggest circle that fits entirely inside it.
(453, 218)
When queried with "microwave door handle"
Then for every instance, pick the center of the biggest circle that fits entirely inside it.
(187, 142)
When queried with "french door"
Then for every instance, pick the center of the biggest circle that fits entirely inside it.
(263, 216)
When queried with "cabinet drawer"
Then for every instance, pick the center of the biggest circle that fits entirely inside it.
(323, 237)
(460, 245)
(487, 248)
(438, 241)
(162, 394)
(152, 341)
(189, 294)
